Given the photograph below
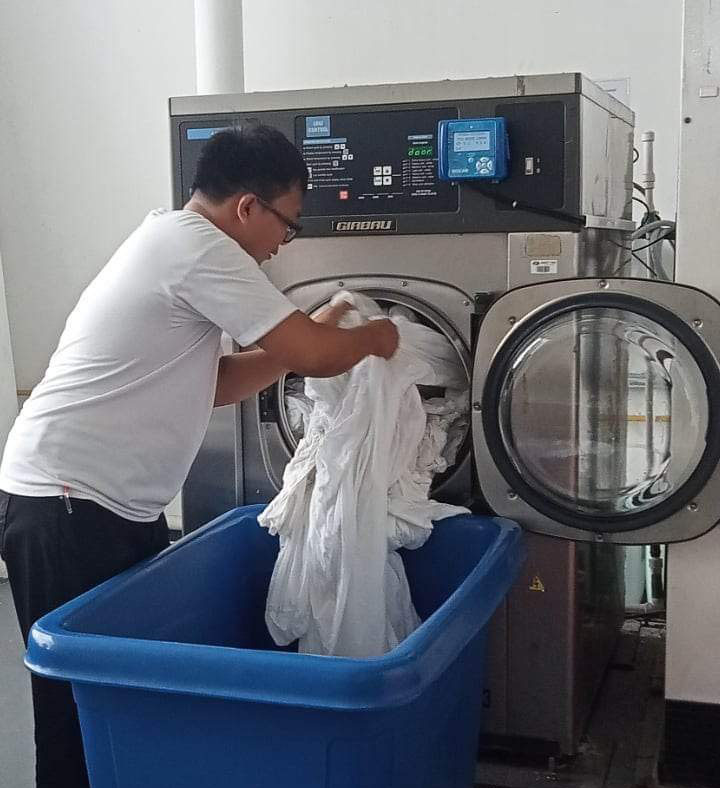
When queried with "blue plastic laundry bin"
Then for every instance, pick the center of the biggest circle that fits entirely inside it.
(179, 685)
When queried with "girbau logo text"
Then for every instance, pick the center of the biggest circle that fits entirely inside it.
(375, 225)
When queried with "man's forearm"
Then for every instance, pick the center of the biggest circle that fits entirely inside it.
(240, 375)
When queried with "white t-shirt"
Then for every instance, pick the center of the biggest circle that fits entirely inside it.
(127, 397)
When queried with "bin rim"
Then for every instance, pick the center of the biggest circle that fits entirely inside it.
(265, 676)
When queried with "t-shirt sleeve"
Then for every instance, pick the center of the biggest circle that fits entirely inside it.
(226, 286)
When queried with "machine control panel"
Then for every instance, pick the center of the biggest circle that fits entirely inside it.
(473, 149)
(366, 163)
(394, 168)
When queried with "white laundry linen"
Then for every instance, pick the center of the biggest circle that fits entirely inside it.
(298, 406)
(357, 490)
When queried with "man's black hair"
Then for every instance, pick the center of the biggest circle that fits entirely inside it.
(254, 158)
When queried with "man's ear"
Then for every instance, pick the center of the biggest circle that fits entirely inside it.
(244, 205)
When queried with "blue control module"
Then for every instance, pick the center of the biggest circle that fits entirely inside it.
(473, 149)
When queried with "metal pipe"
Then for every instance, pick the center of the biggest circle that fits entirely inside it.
(647, 178)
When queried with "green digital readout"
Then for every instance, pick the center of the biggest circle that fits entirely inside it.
(420, 152)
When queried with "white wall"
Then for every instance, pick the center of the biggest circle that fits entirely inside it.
(8, 400)
(83, 118)
(328, 43)
(84, 146)
(694, 567)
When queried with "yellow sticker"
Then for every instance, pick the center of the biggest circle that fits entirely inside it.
(537, 584)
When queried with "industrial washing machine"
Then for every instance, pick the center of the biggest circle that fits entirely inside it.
(498, 210)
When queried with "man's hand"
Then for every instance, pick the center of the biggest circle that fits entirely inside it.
(386, 337)
(385, 334)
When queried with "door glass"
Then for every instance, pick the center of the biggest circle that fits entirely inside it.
(604, 411)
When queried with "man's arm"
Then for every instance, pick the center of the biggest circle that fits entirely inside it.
(322, 351)
(240, 375)
(314, 347)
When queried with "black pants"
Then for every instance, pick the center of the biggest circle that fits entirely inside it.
(52, 556)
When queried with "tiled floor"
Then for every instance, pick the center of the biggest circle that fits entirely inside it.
(622, 743)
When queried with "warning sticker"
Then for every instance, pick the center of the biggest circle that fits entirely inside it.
(537, 584)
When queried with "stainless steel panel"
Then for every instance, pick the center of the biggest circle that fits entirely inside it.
(552, 640)
(211, 487)
(531, 261)
(397, 93)
(606, 163)
(495, 692)
(468, 263)
(403, 93)
(603, 223)
(262, 450)
(540, 649)
(590, 252)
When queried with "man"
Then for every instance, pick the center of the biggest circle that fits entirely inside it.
(108, 436)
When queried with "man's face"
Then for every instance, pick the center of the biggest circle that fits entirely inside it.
(265, 224)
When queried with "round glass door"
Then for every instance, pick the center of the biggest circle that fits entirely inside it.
(602, 414)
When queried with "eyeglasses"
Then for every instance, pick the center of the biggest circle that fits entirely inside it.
(293, 228)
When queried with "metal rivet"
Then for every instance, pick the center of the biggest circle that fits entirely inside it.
(512, 320)
(257, 492)
(693, 507)
(512, 495)
(404, 283)
(687, 119)
(341, 284)
(697, 322)
(599, 538)
(477, 406)
(603, 284)
(466, 303)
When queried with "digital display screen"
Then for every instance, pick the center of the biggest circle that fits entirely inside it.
(421, 151)
(464, 141)
(374, 162)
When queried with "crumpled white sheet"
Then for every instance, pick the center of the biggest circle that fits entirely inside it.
(298, 407)
(357, 490)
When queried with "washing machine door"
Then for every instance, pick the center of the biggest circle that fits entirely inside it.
(596, 410)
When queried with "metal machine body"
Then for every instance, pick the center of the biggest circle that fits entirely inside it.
(554, 440)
